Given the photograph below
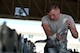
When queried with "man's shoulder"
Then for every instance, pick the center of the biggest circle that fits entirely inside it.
(69, 17)
(66, 15)
(45, 16)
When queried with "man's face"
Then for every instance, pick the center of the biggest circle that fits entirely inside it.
(54, 14)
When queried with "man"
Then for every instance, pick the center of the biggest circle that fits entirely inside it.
(56, 26)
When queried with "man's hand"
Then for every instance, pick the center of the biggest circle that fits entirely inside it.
(59, 37)
(69, 24)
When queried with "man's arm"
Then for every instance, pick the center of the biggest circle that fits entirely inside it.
(74, 32)
(72, 29)
(47, 30)
(49, 33)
